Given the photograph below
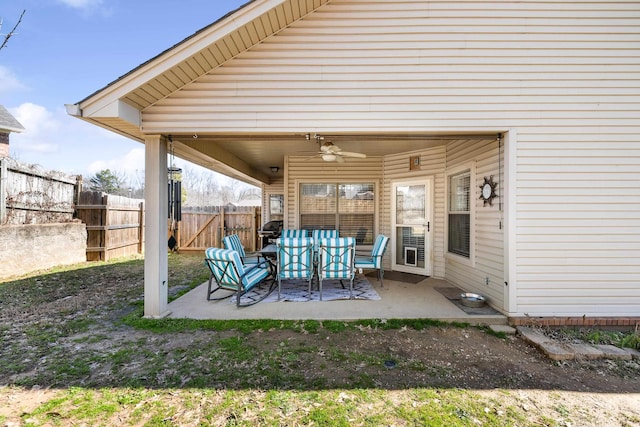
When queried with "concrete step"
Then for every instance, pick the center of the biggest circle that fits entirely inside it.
(568, 351)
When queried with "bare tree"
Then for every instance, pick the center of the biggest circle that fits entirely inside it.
(12, 32)
(205, 188)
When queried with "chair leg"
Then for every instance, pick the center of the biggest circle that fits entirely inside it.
(278, 288)
(209, 289)
(351, 288)
(380, 277)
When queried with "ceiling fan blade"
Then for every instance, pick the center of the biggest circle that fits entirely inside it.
(339, 158)
(350, 154)
(313, 157)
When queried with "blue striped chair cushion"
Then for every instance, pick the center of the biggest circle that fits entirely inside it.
(336, 258)
(324, 234)
(365, 262)
(295, 257)
(291, 232)
(230, 273)
(233, 242)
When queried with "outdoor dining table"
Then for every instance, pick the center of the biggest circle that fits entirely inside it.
(269, 253)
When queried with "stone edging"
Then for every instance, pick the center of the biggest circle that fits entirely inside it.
(569, 351)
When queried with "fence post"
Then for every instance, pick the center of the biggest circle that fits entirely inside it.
(105, 223)
(3, 190)
(77, 190)
(254, 231)
(141, 228)
(222, 227)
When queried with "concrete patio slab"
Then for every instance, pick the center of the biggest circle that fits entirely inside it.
(398, 301)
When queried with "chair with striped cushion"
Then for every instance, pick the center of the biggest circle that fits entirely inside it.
(374, 260)
(233, 242)
(336, 258)
(230, 274)
(322, 234)
(294, 260)
(294, 232)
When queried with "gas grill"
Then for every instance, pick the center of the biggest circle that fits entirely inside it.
(270, 231)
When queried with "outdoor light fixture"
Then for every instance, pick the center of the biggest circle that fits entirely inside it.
(274, 169)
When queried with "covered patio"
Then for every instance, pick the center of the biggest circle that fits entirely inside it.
(399, 300)
(328, 150)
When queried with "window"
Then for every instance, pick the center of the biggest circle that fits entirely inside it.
(348, 208)
(459, 214)
(276, 207)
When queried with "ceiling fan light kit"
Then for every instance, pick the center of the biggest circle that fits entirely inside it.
(329, 152)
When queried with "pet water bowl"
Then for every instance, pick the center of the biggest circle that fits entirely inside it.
(472, 300)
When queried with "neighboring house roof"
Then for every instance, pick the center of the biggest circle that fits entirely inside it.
(248, 202)
(8, 122)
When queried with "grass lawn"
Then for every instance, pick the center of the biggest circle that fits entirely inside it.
(76, 351)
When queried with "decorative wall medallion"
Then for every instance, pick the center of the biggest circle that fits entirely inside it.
(488, 191)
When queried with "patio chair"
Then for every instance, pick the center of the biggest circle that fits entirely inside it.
(230, 274)
(294, 232)
(294, 260)
(324, 234)
(321, 234)
(336, 261)
(374, 260)
(233, 242)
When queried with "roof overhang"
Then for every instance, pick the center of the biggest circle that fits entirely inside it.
(118, 107)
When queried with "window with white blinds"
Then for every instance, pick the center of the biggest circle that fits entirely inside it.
(348, 208)
(459, 214)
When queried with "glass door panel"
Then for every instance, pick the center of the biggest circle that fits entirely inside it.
(411, 227)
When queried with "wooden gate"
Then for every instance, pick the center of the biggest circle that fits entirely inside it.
(206, 227)
(115, 225)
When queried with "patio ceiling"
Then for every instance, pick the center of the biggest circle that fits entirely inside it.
(261, 152)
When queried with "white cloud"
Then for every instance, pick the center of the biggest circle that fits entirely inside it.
(57, 141)
(82, 4)
(88, 8)
(39, 124)
(130, 164)
(9, 82)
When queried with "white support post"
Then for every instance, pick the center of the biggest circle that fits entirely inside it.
(156, 261)
(510, 215)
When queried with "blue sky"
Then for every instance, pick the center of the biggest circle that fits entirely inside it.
(64, 50)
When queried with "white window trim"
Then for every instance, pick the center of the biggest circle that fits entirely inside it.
(376, 186)
(471, 261)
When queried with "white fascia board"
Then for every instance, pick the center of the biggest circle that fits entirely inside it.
(176, 55)
(120, 110)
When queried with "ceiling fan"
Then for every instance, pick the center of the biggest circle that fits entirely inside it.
(329, 152)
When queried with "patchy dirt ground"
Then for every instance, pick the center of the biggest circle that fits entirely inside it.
(63, 330)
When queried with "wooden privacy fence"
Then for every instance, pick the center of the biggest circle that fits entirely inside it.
(205, 227)
(115, 225)
(30, 195)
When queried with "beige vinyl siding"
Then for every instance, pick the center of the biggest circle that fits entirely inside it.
(412, 65)
(396, 168)
(579, 223)
(565, 75)
(488, 237)
(306, 169)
